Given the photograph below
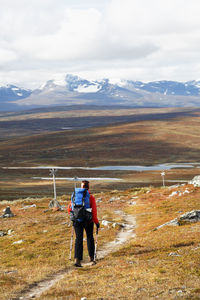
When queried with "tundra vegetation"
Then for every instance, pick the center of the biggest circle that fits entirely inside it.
(25, 140)
(160, 263)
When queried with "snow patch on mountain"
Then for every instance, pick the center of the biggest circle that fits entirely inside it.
(87, 88)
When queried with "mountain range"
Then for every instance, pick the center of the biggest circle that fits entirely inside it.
(77, 91)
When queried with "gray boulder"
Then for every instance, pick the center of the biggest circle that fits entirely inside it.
(192, 216)
(189, 217)
(7, 213)
(173, 222)
(195, 181)
(2, 233)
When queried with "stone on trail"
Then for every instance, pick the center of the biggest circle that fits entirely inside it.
(105, 223)
(117, 225)
(7, 213)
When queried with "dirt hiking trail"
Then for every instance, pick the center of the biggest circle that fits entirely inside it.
(125, 234)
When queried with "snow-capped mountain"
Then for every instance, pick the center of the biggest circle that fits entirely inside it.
(11, 93)
(190, 88)
(75, 90)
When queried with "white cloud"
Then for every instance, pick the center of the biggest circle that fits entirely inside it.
(6, 56)
(137, 39)
(153, 16)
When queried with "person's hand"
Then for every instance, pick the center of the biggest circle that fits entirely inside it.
(97, 230)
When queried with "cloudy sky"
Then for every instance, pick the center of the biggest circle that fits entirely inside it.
(143, 40)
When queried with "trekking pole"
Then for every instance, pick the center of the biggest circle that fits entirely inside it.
(71, 243)
(95, 250)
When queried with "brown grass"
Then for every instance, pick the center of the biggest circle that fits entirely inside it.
(146, 267)
(141, 269)
(45, 247)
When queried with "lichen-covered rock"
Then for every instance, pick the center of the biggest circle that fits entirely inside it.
(189, 217)
(173, 222)
(7, 213)
(192, 216)
(195, 181)
(2, 233)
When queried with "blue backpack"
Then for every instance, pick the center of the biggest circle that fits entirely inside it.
(80, 203)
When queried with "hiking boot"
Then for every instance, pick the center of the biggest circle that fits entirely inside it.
(93, 261)
(77, 263)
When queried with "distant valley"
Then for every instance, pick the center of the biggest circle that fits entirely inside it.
(92, 137)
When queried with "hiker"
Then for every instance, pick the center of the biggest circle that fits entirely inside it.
(86, 223)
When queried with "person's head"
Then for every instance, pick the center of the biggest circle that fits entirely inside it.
(85, 184)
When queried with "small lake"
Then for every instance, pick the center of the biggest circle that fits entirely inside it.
(160, 167)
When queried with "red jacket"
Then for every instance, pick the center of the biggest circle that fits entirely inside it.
(92, 205)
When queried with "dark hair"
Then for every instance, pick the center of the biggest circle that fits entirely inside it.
(85, 184)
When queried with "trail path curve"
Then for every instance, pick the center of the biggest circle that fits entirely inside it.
(126, 233)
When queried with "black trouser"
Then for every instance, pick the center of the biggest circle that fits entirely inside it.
(79, 228)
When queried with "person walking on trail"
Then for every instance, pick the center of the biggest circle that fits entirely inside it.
(83, 216)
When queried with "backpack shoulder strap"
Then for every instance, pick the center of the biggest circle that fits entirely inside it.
(84, 195)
